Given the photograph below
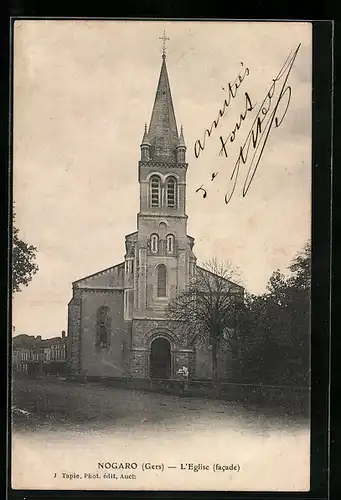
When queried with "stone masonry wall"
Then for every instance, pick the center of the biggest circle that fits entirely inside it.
(144, 332)
(74, 325)
(109, 361)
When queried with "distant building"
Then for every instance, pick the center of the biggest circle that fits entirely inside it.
(36, 356)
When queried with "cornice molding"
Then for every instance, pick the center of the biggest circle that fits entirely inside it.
(162, 214)
(101, 289)
(160, 164)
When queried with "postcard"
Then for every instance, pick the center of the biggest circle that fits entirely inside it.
(161, 255)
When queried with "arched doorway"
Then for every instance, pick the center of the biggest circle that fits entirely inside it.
(160, 359)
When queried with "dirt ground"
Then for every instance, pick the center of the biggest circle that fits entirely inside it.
(63, 429)
(50, 401)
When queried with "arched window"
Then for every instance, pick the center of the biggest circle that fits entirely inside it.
(171, 192)
(155, 191)
(154, 243)
(103, 326)
(161, 280)
(170, 243)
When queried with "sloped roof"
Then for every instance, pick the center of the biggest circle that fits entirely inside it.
(25, 341)
(107, 277)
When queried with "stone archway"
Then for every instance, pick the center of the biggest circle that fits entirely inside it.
(160, 359)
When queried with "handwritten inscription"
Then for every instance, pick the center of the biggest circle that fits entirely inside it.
(271, 114)
(231, 137)
(233, 87)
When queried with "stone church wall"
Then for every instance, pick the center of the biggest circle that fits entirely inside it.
(142, 330)
(143, 333)
(97, 361)
(152, 300)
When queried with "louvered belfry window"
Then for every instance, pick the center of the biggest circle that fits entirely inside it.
(155, 191)
(171, 191)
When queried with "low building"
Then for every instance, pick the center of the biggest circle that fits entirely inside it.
(36, 356)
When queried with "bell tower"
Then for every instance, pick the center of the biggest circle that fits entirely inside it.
(163, 249)
(162, 167)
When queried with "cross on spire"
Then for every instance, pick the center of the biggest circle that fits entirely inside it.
(164, 38)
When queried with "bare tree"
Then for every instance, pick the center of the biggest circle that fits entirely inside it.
(208, 307)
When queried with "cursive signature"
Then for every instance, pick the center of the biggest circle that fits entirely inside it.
(233, 87)
(262, 125)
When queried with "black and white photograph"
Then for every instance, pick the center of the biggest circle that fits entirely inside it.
(161, 291)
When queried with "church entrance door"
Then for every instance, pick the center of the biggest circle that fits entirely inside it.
(160, 359)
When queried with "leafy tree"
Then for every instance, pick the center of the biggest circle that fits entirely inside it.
(276, 327)
(207, 308)
(300, 268)
(23, 261)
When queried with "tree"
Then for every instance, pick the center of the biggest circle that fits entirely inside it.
(276, 326)
(298, 304)
(23, 261)
(300, 268)
(207, 308)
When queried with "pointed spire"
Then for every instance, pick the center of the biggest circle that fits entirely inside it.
(181, 142)
(163, 133)
(145, 140)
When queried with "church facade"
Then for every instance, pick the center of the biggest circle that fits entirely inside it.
(117, 322)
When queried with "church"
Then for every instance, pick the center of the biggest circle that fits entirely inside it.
(117, 321)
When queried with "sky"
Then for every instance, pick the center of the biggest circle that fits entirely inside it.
(83, 91)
